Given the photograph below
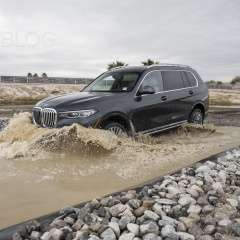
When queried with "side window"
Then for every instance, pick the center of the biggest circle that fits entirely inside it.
(154, 79)
(191, 79)
(173, 80)
(185, 80)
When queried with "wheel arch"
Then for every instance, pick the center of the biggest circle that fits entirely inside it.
(116, 117)
(198, 105)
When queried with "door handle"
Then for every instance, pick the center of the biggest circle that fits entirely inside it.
(191, 92)
(164, 98)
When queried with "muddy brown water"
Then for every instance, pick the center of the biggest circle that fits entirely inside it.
(42, 170)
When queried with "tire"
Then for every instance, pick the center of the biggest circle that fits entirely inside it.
(115, 128)
(196, 117)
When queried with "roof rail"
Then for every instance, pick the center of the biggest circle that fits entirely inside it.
(169, 64)
(116, 68)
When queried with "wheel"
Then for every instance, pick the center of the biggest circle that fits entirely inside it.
(196, 117)
(115, 128)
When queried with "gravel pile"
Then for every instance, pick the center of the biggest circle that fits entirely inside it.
(201, 202)
(3, 123)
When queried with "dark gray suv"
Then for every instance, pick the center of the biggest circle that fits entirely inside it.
(145, 99)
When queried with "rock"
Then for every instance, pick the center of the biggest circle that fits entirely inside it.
(203, 169)
(151, 215)
(186, 200)
(226, 223)
(148, 203)
(166, 201)
(149, 228)
(209, 229)
(196, 231)
(139, 211)
(94, 227)
(202, 201)
(206, 237)
(134, 228)
(46, 236)
(69, 220)
(124, 221)
(185, 236)
(151, 236)
(209, 220)
(192, 192)
(134, 203)
(104, 202)
(173, 191)
(220, 216)
(169, 221)
(207, 209)
(232, 202)
(115, 227)
(218, 187)
(219, 236)
(194, 216)
(116, 209)
(17, 236)
(194, 209)
(93, 237)
(32, 226)
(68, 210)
(169, 232)
(188, 222)
(101, 211)
(127, 236)
(198, 189)
(181, 227)
(56, 234)
(114, 201)
(81, 234)
(108, 234)
(78, 225)
(126, 213)
(140, 220)
(35, 235)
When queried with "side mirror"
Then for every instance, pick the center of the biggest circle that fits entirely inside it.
(146, 90)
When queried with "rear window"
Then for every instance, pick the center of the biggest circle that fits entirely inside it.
(173, 80)
(192, 80)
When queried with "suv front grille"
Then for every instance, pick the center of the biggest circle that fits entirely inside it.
(47, 117)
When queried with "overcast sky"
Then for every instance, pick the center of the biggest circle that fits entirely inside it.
(78, 38)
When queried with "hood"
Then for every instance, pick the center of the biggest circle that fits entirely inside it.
(75, 101)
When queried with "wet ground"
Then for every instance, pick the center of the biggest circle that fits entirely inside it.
(42, 170)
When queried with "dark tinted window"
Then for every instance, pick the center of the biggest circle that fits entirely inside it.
(185, 80)
(191, 79)
(173, 80)
(154, 79)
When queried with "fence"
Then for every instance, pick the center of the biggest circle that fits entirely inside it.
(212, 86)
(52, 80)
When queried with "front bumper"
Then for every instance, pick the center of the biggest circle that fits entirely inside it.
(53, 120)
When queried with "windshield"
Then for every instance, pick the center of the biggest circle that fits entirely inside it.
(114, 82)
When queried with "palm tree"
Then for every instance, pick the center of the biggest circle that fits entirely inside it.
(116, 64)
(35, 75)
(219, 83)
(29, 75)
(149, 62)
(44, 75)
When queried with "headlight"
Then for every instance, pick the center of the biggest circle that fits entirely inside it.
(78, 114)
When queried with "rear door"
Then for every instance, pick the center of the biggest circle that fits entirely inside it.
(151, 110)
(177, 86)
